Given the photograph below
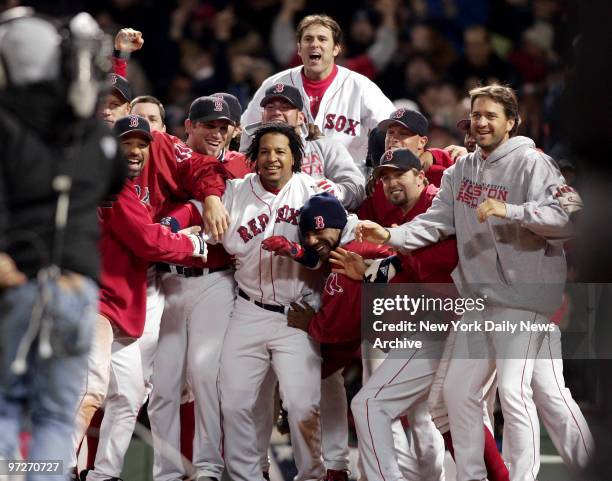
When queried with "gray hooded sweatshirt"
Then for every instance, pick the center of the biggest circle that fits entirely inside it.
(517, 262)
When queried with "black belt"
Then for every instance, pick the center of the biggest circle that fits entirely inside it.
(267, 307)
(189, 271)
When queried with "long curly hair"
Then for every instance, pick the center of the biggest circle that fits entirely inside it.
(295, 143)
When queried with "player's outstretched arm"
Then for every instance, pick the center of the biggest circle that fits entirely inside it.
(368, 231)
(215, 216)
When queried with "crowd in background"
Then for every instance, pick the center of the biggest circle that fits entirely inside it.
(426, 51)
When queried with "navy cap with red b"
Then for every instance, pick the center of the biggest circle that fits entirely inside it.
(322, 211)
(285, 92)
(233, 103)
(132, 125)
(411, 119)
(399, 159)
(121, 85)
(207, 109)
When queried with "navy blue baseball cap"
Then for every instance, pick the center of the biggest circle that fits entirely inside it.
(399, 159)
(322, 211)
(286, 92)
(121, 86)
(233, 103)
(132, 124)
(411, 119)
(206, 109)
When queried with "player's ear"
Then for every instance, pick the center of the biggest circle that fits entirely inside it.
(337, 49)
(187, 126)
(423, 141)
(301, 118)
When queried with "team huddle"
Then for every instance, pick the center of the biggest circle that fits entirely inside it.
(233, 262)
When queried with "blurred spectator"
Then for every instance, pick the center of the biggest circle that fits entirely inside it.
(479, 64)
(531, 60)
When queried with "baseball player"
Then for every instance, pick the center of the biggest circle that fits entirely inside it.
(560, 414)
(199, 300)
(325, 159)
(116, 104)
(324, 226)
(129, 242)
(151, 109)
(343, 104)
(511, 234)
(235, 130)
(404, 129)
(258, 338)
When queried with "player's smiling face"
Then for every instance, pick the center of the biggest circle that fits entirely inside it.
(317, 50)
(274, 160)
(135, 148)
(489, 125)
(208, 138)
(281, 110)
(323, 241)
(401, 187)
(400, 137)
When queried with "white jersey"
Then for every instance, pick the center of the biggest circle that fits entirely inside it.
(257, 214)
(351, 106)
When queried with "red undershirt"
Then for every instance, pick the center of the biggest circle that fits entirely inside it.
(315, 89)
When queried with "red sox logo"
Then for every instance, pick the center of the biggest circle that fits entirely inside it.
(331, 285)
(133, 121)
(113, 79)
(279, 88)
(339, 122)
(319, 222)
(398, 114)
(218, 104)
(257, 225)
(389, 155)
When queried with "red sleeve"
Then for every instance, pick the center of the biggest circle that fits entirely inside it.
(119, 66)
(186, 215)
(131, 223)
(191, 175)
(431, 264)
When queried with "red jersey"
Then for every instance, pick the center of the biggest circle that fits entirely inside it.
(337, 325)
(378, 209)
(129, 241)
(175, 173)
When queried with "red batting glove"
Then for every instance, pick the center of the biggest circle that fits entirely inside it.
(281, 246)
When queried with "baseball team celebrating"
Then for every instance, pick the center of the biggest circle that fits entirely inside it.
(233, 262)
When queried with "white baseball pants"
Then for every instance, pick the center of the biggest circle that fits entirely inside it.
(399, 386)
(130, 374)
(195, 319)
(257, 340)
(475, 357)
(560, 414)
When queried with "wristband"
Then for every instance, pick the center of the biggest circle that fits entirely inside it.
(121, 54)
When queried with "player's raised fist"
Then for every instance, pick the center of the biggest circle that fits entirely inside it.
(128, 40)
